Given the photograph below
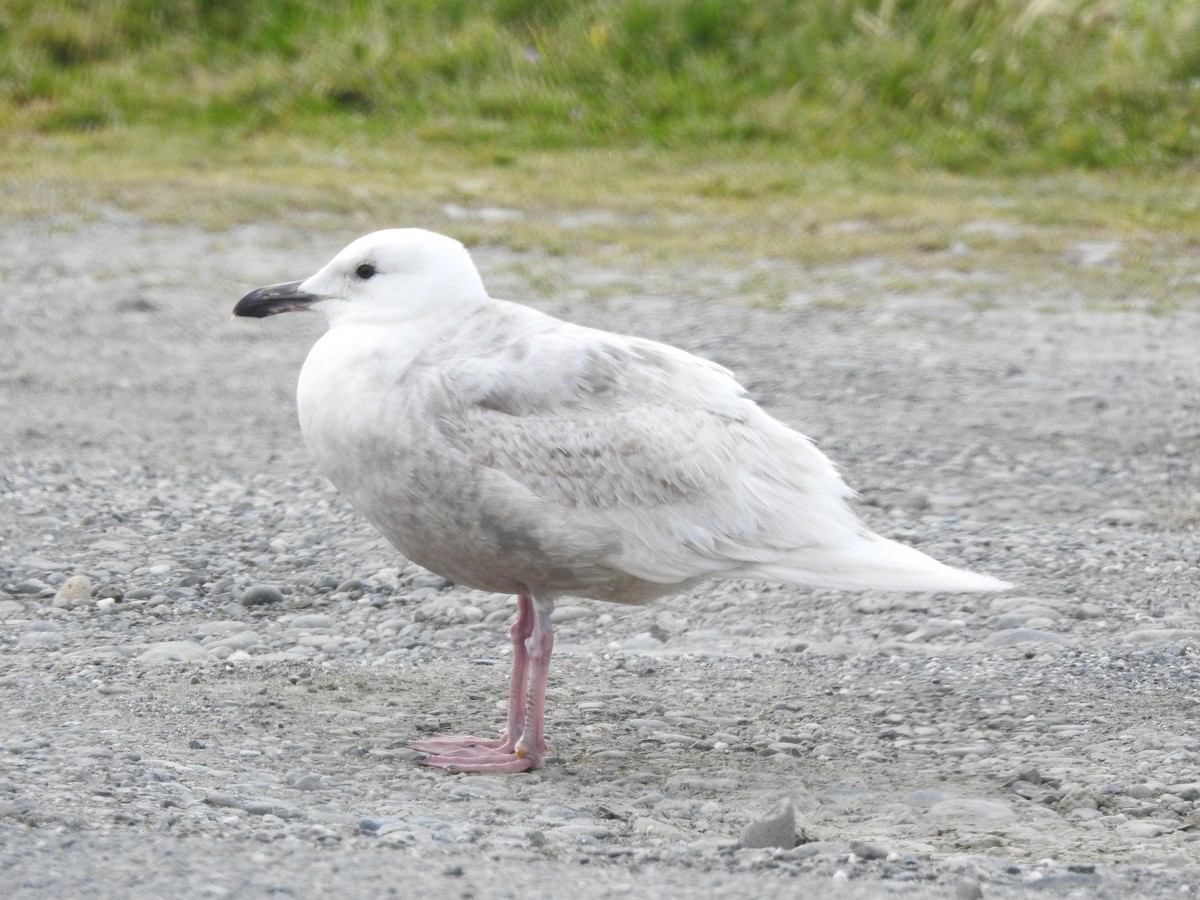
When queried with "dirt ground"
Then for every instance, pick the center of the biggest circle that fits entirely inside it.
(222, 709)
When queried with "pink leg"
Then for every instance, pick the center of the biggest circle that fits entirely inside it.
(523, 743)
(541, 644)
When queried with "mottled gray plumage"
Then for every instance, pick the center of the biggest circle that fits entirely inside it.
(513, 452)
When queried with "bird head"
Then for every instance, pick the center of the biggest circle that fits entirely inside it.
(397, 274)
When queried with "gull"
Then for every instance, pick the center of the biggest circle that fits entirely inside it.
(513, 452)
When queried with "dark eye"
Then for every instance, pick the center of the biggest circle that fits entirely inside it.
(365, 271)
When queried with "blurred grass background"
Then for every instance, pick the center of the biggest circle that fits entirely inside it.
(766, 121)
(967, 85)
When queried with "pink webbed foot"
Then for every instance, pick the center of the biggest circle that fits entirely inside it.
(445, 743)
(523, 745)
(483, 759)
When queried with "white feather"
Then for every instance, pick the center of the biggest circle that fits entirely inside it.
(512, 451)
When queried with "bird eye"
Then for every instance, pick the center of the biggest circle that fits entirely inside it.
(365, 271)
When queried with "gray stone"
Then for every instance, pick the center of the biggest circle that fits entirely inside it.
(1126, 517)
(970, 810)
(31, 586)
(868, 850)
(774, 831)
(174, 652)
(40, 639)
(75, 591)
(260, 595)
(312, 620)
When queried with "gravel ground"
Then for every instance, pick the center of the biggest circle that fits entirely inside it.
(211, 664)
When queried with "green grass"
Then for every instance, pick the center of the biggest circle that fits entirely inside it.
(785, 139)
(782, 225)
(965, 85)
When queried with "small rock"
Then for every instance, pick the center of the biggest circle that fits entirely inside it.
(1189, 790)
(1172, 635)
(40, 639)
(429, 580)
(776, 831)
(1126, 517)
(868, 850)
(570, 614)
(261, 595)
(968, 889)
(970, 810)
(932, 629)
(174, 651)
(1144, 829)
(1079, 798)
(924, 798)
(1008, 636)
(113, 591)
(30, 586)
(76, 591)
(272, 808)
(312, 620)
(912, 501)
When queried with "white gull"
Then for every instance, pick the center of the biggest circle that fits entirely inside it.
(510, 451)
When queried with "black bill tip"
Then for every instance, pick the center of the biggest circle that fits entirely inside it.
(274, 298)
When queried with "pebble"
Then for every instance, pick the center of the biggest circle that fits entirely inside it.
(868, 850)
(32, 586)
(564, 614)
(75, 591)
(46, 639)
(1143, 829)
(1132, 517)
(260, 595)
(174, 652)
(1088, 757)
(965, 809)
(774, 831)
(1158, 635)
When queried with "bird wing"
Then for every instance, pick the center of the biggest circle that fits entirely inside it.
(635, 438)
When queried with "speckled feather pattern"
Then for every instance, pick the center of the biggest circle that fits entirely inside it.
(512, 451)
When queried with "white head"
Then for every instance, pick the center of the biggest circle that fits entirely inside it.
(393, 275)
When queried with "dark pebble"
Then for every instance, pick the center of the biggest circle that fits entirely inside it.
(261, 595)
(868, 850)
(326, 583)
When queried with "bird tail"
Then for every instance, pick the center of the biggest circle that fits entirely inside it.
(874, 563)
